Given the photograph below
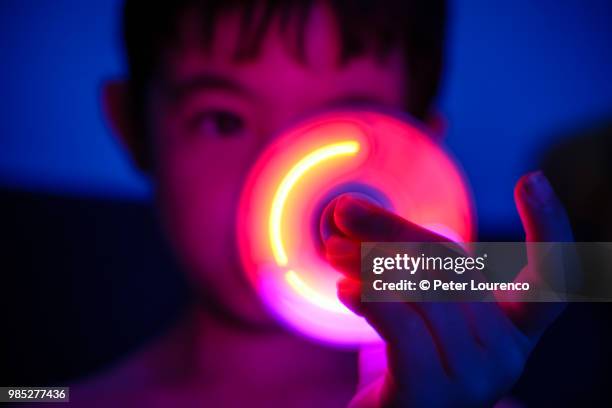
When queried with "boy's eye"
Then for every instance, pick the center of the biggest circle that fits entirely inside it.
(218, 123)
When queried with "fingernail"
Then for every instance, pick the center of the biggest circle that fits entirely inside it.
(326, 224)
(538, 188)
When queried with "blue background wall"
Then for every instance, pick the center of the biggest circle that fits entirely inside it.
(520, 72)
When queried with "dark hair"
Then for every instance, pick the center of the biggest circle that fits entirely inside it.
(366, 26)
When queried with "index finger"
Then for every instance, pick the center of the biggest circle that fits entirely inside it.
(544, 220)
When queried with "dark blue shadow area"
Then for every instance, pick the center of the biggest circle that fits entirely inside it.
(85, 282)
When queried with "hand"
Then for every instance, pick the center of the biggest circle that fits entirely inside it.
(442, 354)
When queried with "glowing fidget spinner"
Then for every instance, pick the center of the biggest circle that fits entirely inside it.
(391, 161)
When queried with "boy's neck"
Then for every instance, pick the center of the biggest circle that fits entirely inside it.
(209, 351)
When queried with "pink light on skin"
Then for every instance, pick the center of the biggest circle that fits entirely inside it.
(299, 171)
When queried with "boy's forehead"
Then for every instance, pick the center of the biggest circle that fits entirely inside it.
(279, 46)
(278, 51)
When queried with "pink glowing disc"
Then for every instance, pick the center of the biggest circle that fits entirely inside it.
(392, 161)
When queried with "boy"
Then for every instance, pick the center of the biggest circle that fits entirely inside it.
(210, 82)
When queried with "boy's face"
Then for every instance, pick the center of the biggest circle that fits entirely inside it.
(211, 116)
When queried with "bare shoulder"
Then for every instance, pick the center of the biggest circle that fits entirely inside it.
(132, 380)
(116, 386)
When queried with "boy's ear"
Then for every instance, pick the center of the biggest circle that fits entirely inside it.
(115, 103)
(437, 124)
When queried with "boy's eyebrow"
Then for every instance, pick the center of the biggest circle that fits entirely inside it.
(205, 82)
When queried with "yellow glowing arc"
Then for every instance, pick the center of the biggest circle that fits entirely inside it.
(301, 287)
(346, 148)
